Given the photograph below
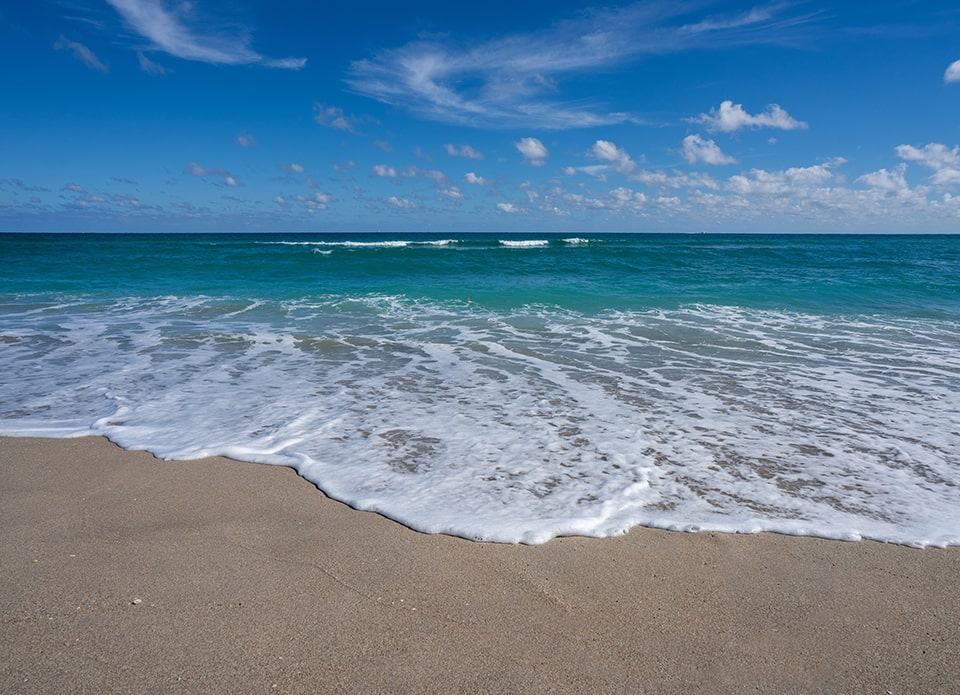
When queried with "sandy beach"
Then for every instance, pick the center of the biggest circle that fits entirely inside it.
(124, 573)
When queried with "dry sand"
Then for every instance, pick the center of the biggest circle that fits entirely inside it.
(122, 573)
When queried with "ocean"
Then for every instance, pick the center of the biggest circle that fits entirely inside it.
(516, 387)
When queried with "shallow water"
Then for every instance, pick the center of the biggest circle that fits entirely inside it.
(516, 387)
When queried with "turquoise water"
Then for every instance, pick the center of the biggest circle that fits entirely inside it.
(516, 387)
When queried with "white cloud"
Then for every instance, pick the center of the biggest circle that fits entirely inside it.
(167, 30)
(293, 168)
(76, 188)
(946, 177)
(148, 66)
(333, 117)
(945, 162)
(438, 177)
(311, 203)
(886, 181)
(80, 52)
(616, 157)
(195, 169)
(791, 182)
(731, 117)
(696, 149)
(472, 178)
(508, 208)
(952, 73)
(127, 201)
(934, 155)
(317, 201)
(464, 151)
(401, 202)
(453, 193)
(516, 80)
(246, 140)
(384, 170)
(532, 150)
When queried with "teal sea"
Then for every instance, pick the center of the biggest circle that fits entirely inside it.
(516, 387)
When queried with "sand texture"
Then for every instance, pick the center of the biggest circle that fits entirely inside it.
(125, 574)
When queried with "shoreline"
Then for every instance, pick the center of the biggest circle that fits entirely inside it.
(125, 573)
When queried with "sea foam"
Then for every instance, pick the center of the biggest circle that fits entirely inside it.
(521, 425)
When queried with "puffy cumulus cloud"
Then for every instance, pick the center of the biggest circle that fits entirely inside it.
(731, 117)
(317, 201)
(333, 117)
(793, 181)
(509, 208)
(464, 151)
(384, 171)
(892, 182)
(166, 27)
(402, 203)
(473, 179)
(532, 150)
(616, 157)
(946, 177)
(76, 188)
(952, 73)
(438, 177)
(292, 168)
(130, 202)
(696, 149)
(80, 52)
(310, 203)
(451, 193)
(661, 180)
(934, 155)
(195, 169)
(944, 161)
(246, 140)
(620, 199)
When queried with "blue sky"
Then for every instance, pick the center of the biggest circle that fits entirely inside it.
(686, 116)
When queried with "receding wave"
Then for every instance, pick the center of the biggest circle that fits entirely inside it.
(522, 424)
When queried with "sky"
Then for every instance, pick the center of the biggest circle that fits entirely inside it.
(683, 116)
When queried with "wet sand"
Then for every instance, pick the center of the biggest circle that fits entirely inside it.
(123, 573)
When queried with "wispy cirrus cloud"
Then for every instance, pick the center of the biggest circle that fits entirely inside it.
(80, 52)
(168, 30)
(148, 66)
(516, 80)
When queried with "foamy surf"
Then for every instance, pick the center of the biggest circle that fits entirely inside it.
(512, 421)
